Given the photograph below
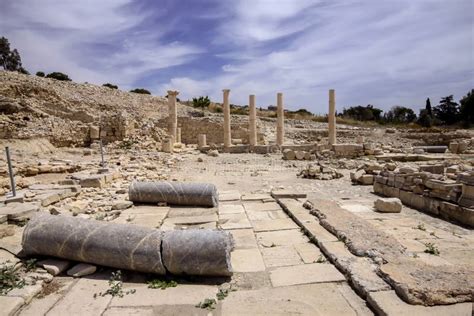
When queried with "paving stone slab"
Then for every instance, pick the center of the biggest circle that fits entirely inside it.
(145, 220)
(261, 207)
(312, 299)
(388, 303)
(231, 209)
(183, 294)
(308, 252)
(256, 197)
(10, 305)
(132, 311)
(19, 211)
(80, 298)
(191, 211)
(191, 220)
(244, 238)
(287, 194)
(281, 238)
(234, 221)
(266, 215)
(229, 196)
(304, 274)
(274, 224)
(247, 260)
(280, 256)
(147, 209)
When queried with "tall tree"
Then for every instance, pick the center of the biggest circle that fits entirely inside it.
(467, 108)
(428, 109)
(447, 111)
(10, 59)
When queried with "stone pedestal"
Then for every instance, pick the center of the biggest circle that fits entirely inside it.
(280, 120)
(172, 114)
(252, 121)
(167, 145)
(332, 117)
(202, 140)
(94, 132)
(227, 133)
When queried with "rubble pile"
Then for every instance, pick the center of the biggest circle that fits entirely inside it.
(320, 172)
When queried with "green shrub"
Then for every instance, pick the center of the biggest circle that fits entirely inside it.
(109, 85)
(201, 102)
(40, 74)
(58, 76)
(140, 91)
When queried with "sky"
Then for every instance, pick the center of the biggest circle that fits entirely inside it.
(380, 52)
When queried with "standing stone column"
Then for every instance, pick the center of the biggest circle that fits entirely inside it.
(202, 140)
(178, 135)
(252, 121)
(332, 117)
(227, 134)
(172, 115)
(280, 120)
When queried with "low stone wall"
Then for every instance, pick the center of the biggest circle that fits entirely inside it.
(427, 192)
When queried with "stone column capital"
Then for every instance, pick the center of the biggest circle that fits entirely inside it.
(226, 90)
(173, 92)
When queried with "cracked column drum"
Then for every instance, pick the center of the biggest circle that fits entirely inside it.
(120, 246)
(174, 193)
(197, 252)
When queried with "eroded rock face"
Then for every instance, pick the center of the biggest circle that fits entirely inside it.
(419, 283)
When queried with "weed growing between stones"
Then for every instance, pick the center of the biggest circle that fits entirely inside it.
(115, 286)
(30, 264)
(420, 226)
(222, 294)
(208, 303)
(321, 259)
(161, 284)
(10, 278)
(431, 248)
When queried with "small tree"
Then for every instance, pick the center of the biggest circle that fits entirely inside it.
(201, 102)
(10, 60)
(109, 85)
(400, 114)
(447, 111)
(363, 113)
(424, 119)
(40, 74)
(467, 108)
(140, 91)
(58, 76)
(428, 107)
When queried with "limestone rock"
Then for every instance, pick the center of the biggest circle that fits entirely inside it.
(81, 269)
(388, 205)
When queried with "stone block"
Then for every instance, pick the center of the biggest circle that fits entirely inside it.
(93, 181)
(388, 205)
(94, 132)
(437, 169)
(305, 274)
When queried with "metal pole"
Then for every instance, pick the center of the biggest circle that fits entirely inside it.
(102, 164)
(10, 172)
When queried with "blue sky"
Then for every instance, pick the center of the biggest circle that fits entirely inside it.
(390, 52)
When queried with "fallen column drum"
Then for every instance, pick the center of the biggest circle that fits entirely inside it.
(174, 193)
(131, 247)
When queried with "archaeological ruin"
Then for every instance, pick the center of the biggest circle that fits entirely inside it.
(124, 203)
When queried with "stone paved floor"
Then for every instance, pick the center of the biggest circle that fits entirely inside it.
(277, 270)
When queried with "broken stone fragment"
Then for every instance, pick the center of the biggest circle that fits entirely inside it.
(81, 269)
(54, 266)
(388, 205)
(174, 193)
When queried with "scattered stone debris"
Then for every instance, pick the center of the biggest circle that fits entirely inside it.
(320, 172)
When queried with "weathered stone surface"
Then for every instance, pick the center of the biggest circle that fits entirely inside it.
(19, 211)
(274, 224)
(419, 283)
(281, 238)
(288, 194)
(10, 305)
(388, 303)
(388, 205)
(247, 260)
(197, 252)
(234, 221)
(280, 256)
(304, 274)
(309, 299)
(194, 194)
